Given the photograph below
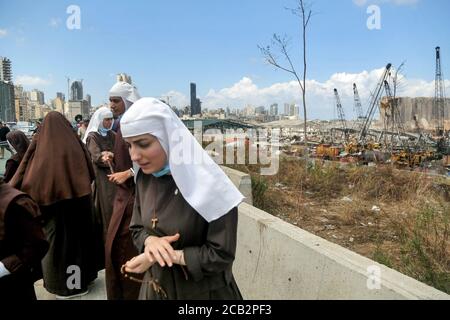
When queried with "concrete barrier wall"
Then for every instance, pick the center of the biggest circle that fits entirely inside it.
(242, 181)
(276, 260)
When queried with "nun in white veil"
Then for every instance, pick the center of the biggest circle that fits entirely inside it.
(119, 245)
(184, 222)
(100, 140)
(121, 96)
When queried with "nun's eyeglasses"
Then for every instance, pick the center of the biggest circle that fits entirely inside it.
(114, 100)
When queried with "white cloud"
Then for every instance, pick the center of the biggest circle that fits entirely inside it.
(55, 22)
(175, 98)
(361, 3)
(31, 81)
(3, 33)
(320, 96)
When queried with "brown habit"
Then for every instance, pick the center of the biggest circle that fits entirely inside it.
(209, 248)
(20, 143)
(119, 246)
(56, 165)
(104, 190)
(56, 171)
(22, 244)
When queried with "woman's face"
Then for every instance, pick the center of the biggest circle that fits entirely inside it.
(147, 152)
(107, 122)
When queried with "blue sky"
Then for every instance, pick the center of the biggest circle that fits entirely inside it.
(165, 45)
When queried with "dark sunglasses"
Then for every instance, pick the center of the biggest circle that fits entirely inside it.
(116, 100)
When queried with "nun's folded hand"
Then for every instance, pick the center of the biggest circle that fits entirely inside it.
(138, 264)
(160, 249)
(119, 177)
(107, 156)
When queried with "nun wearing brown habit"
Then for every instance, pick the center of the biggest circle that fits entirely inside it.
(22, 244)
(119, 244)
(185, 215)
(19, 143)
(99, 140)
(57, 173)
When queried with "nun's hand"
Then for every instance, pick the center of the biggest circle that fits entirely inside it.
(160, 249)
(138, 264)
(119, 177)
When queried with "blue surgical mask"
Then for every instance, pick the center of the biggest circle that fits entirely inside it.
(165, 170)
(103, 131)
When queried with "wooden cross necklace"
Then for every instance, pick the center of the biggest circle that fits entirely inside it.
(155, 218)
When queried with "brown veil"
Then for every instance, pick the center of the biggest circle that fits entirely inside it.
(20, 143)
(56, 165)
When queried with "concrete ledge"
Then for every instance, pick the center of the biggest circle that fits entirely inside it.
(276, 260)
(242, 181)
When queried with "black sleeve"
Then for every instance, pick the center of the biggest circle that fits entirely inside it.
(219, 249)
(136, 226)
(27, 239)
(10, 169)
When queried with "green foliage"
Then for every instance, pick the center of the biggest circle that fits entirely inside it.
(259, 188)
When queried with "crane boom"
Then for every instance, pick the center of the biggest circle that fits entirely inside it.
(358, 106)
(374, 103)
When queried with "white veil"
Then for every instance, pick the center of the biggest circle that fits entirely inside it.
(96, 120)
(200, 180)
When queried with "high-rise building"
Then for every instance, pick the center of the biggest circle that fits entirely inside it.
(297, 111)
(61, 96)
(274, 109)
(249, 111)
(7, 103)
(5, 69)
(260, 110)
(20, 103)
(123, 77)
(77, 108)
(294, 110)
(88, 99)
(196, 107)
(287, 109)
(37, 96)
(76, 91)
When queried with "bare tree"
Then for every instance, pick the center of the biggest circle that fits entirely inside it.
(304, 12)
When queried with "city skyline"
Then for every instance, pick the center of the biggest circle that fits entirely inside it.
(215, 46)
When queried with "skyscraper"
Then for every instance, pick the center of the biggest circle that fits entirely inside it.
(61, 96)
(5, 69)
(7, 103)
(88, 99)
(287, 109)
(274, 109)
(76, 89)
(195, 102)
(20, 103)
(37, 96)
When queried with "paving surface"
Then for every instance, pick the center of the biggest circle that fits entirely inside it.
(97, 290)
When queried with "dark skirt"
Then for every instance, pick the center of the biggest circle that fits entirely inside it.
(175, 286)
(17, 287)
(70, 264)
